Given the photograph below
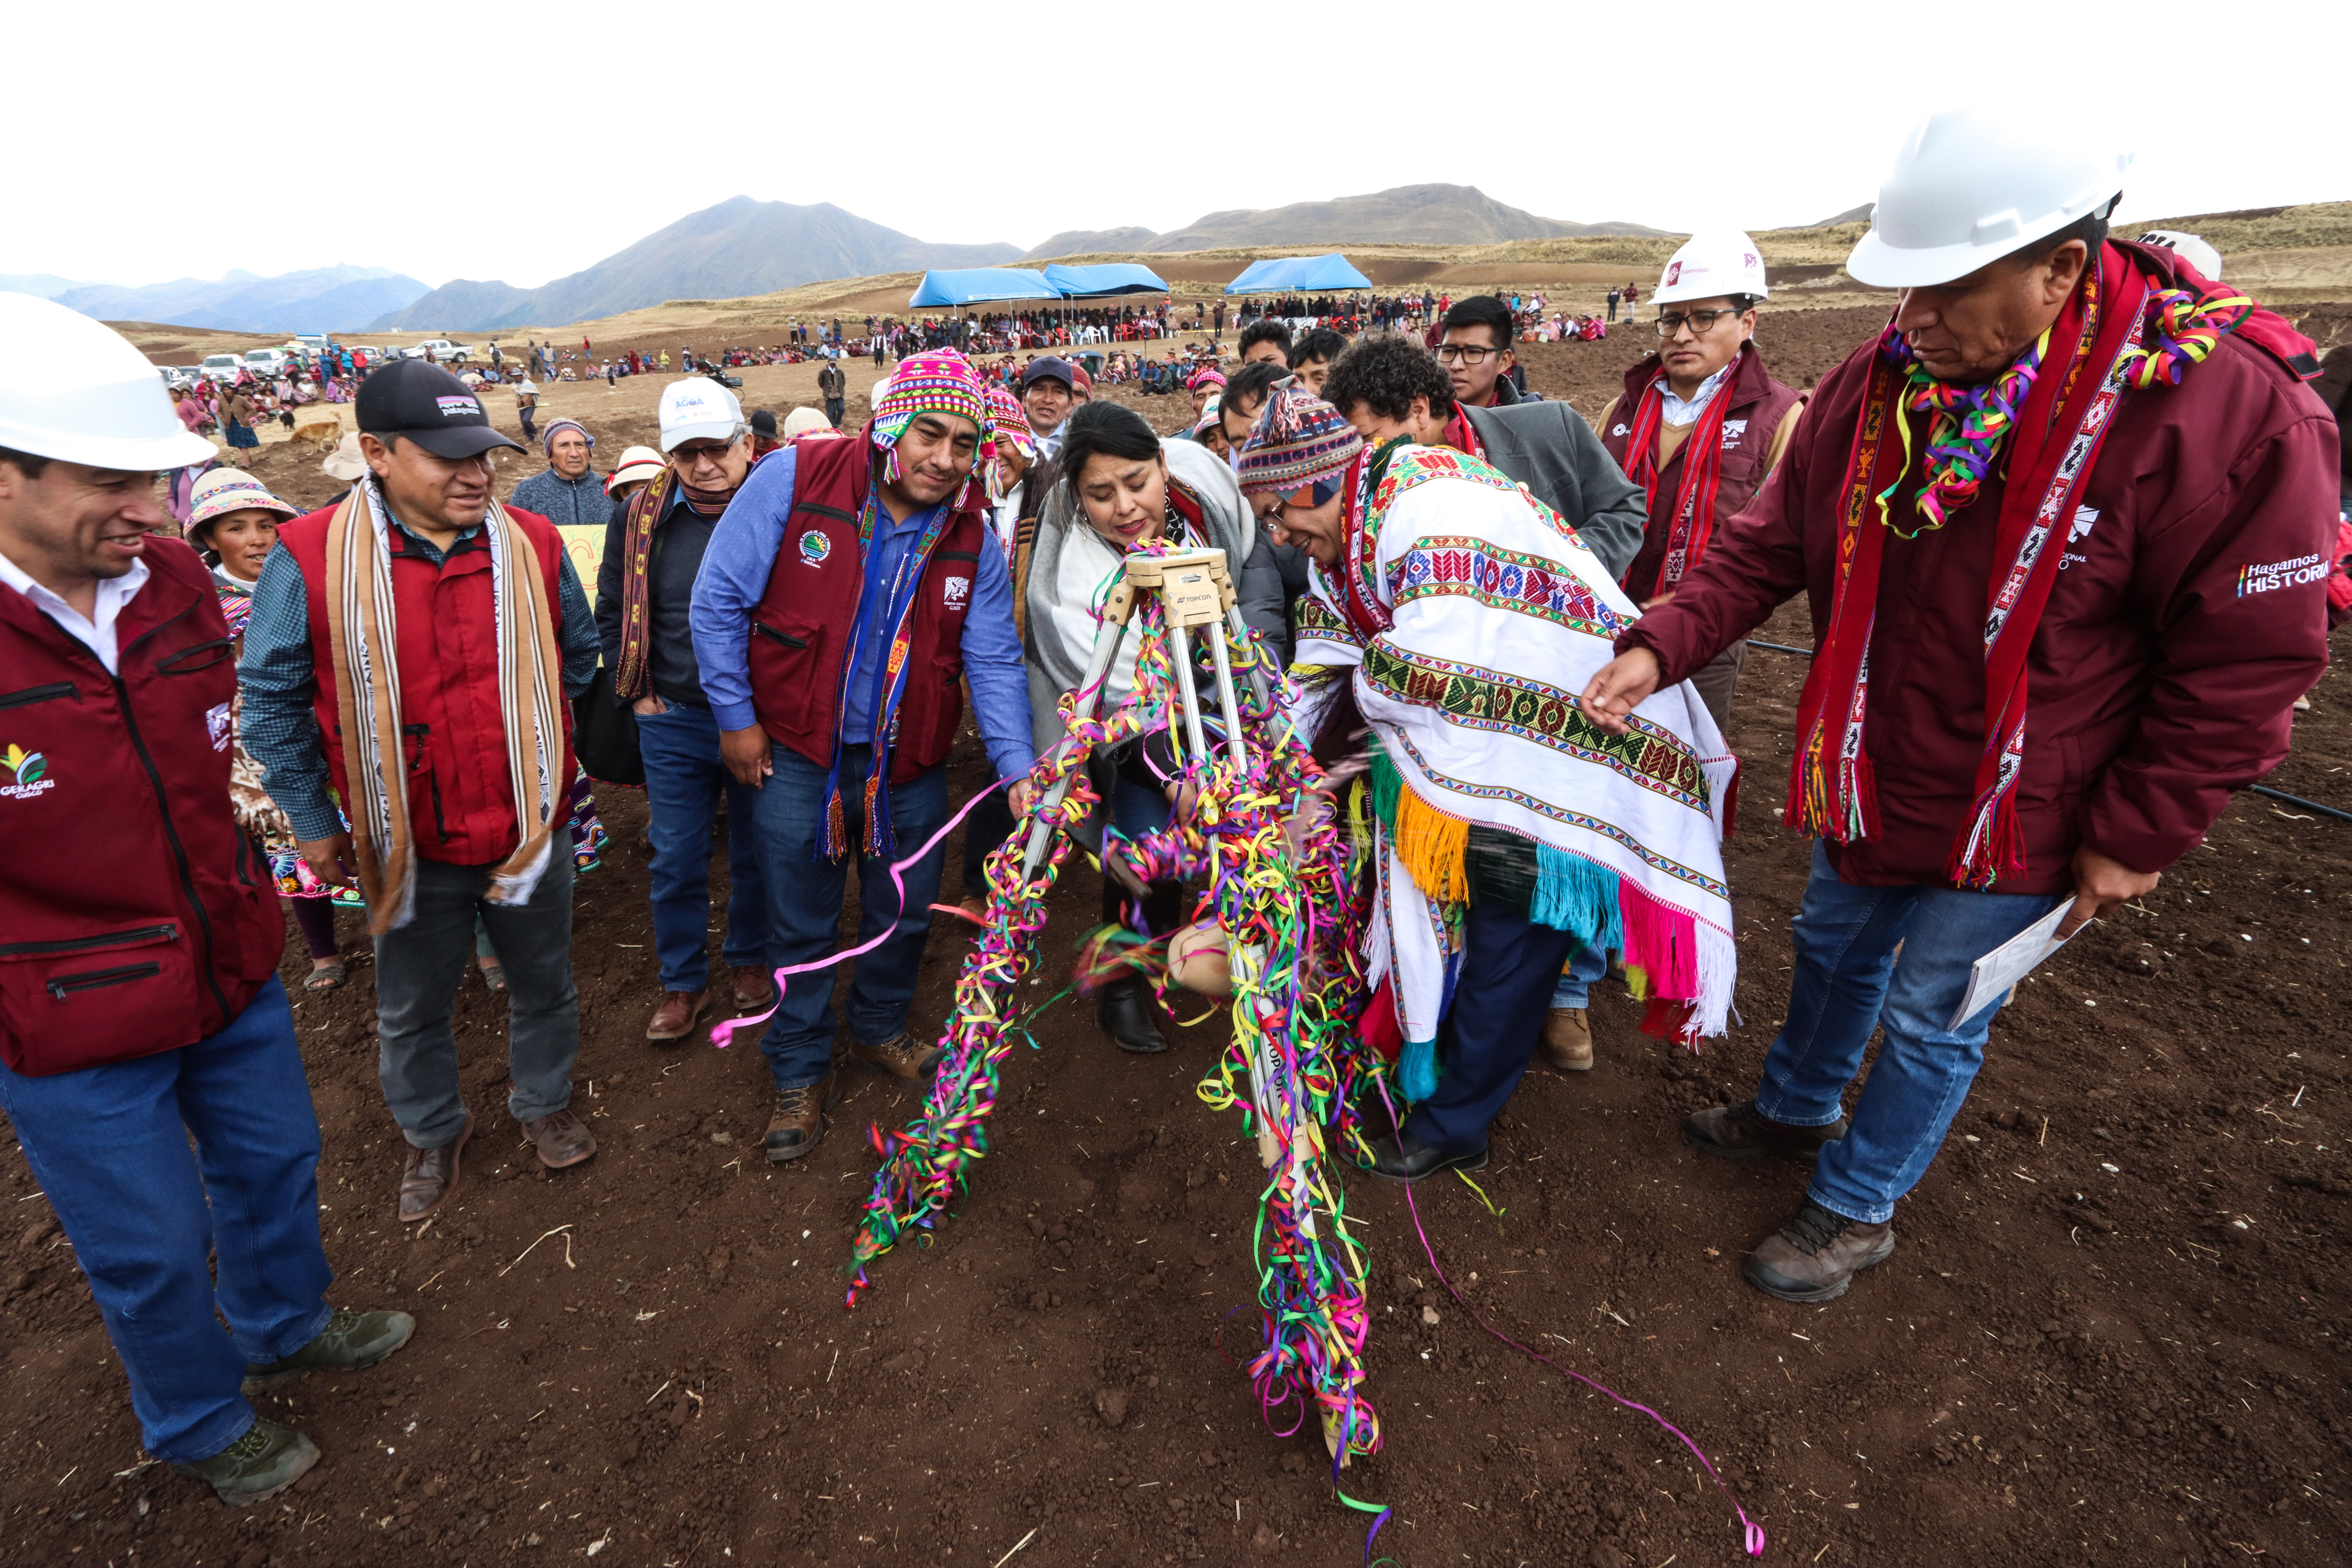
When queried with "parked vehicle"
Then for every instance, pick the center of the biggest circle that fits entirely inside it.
(267, 362)
(441, 350)
(220, 367)
(179, 377)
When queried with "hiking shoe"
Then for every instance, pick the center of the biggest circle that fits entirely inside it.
(264, 1462)
(900, 1056)
(798, 1124)
(1567, 1040)
(1816, 1255)
(562, 1139)
(1743, 1132)
(352, 1341)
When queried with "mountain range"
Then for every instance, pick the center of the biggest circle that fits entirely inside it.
(321, 299)
(1406, 214)
(740, 246)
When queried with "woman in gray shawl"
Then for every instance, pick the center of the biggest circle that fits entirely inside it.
(1122, 487)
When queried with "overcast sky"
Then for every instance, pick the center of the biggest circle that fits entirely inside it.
(522, 142)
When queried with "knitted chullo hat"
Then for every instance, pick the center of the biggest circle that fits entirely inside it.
(1209, 376)
(1299, 440)
(940, 383)
(1007, 422)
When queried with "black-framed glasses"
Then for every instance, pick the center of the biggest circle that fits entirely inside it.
(1699, 321)
(1469, 354)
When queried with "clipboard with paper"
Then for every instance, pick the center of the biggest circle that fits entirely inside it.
(1990, 977)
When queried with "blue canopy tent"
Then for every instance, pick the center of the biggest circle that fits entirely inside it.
(1112, 278)
(1299, 275)
(981, 285)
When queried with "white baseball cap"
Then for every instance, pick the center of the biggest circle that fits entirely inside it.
(698, 409)
(74, 389)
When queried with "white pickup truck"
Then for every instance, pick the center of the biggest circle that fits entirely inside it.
(443, 350)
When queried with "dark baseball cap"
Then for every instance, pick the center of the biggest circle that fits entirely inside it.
(426, 405)
(764, 424)
(1048, 367)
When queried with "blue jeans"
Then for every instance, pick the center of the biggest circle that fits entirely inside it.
(110, 1147)
(683, 780)
(1574, 986)
(1847, 982)
(804, 906)
(1488, 1034)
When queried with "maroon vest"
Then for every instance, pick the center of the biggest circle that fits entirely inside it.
(802, 626)
(1757, 406)
(134, 917)
(452, 732)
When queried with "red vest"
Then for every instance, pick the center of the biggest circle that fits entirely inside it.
(1757, 406)
(801, 630)
(134, 917)
(452, 733)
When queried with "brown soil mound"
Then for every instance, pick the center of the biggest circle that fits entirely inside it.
(2115, 1331)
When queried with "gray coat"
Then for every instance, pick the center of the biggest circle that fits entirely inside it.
(1550, 448)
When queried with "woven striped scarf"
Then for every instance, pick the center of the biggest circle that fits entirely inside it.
(363, 639)
(633, 679)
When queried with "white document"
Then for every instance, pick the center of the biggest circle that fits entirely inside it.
(1991, 976)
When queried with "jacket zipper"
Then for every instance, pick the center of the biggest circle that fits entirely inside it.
(765, 630)
(164, 932)
(33, 694)
(63, 986)
(170, 828)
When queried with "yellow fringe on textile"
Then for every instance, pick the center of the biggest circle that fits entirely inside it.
(1431, 845)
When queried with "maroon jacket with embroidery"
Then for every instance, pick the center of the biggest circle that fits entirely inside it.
(801, 631)
(2187, 615)
(1758, 404)
(135, 916)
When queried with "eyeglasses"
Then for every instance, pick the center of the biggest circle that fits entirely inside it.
(1700, 322)
(1469, 354)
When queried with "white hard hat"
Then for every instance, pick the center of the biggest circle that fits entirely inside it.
(1973, 184)
(699, 409)
(1713, 265)
(75, 390)
(2189, 248)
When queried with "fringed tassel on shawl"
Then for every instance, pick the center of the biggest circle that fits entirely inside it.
(1981, 858)
(1574, 895)
(1662, 941)
(1838, 802)
(1417, 1069)
(1429, 842)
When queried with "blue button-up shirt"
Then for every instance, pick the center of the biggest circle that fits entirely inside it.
(734, 578)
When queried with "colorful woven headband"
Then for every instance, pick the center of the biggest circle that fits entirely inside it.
(1299, 440)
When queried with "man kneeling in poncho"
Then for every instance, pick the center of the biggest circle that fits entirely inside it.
(1456, 617)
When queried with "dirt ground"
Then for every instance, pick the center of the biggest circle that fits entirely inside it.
(2114, 1332)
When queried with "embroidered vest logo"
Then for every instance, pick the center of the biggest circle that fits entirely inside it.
(30, 770)
(216, 725)
(958, 592)
(815, 548)
(1733, 429)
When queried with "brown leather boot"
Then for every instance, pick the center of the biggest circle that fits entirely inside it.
(674, 1019)
(1567, 1040)
(428, 1177)
(562, 1140)
(755, 991)
(1743, 1132)
(798, 1124)
(900, 1056)
(1816, 1255)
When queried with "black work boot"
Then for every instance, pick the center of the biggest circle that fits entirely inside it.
(1816, 1255)
(264, 1462)
(1743, 1132)
(1124, 1010)
(352, 1341)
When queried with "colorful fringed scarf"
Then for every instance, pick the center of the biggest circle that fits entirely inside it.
(1693, 520)
(363, 634)
(2052, 419)
(634, 678)
(894, 609)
